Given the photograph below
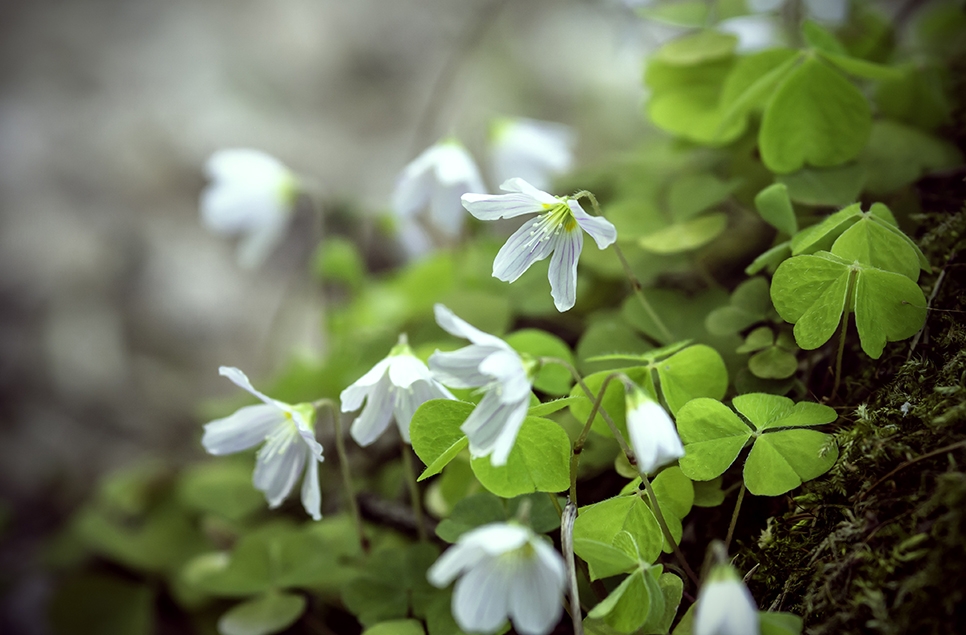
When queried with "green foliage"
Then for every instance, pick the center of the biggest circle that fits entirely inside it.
(484, 508)
(784, 452)
(271, 612)
(553, 379)
(392, 584)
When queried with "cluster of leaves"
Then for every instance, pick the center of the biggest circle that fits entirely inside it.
(764, 145)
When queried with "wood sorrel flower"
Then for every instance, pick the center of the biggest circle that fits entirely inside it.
(289, 436)
(556, 230)
(725, 606)
(253, 194)
(534, 151)
(491, 364)
(397, 385)
(507, 572)
(437, 178)
(654, 438)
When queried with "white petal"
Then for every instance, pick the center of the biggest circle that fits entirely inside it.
(306, 433)
(480, 597)
(754, 32)
(239, 378)
(453, 562)
(353, 396)
(461, 368)
(455, 166)
(244, 429)
(497, 538)
(414, 187)
(495, 206)
(406, 369)
(508, 435)
(311, 494)
(725, 607)
(535, 592)
(506, 368)
(600, 229)
(275, 474)
(446, 211)
(453, 325)
(521, 186)
(244, 164)
(409, 399)
(563, 268)
(231, 208)
(376, 415)
(533, 150)
(521, 250)
(653, 437)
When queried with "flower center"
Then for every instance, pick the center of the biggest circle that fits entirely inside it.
(558, 217)
(278, 440)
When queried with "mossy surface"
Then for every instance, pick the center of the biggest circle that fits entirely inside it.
(879, 544)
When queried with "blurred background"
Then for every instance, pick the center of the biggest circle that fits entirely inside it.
(116, 306)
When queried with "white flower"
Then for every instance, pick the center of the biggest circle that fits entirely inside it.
(556, 230)
(654, 438)
(725, 606)
(437, 178)
(253, 194)
(507, 572)
(289, 435)
(491, 364)
(535, 151)
(754, 32)
(397, 385)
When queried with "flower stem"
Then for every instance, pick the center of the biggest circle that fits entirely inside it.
(734, 516)
(414, 497)
(582, 439)
(635, 283)
(344, 467)
(567, 546)
(590, 395)
(667, 532)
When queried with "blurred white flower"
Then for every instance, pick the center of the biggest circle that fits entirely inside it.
(725, 606)
(535, 151)
(507, 572)
(289, 436)
(754, 32)
(491, 364)
(437, 178)
(654, 438)
(252, 194)
(556, 230)
(397, 385)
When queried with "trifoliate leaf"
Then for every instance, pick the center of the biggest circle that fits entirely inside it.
(874, 243)
(816, 117)
(269, 613)
(712, 435)
(773, 363)
(781, 461)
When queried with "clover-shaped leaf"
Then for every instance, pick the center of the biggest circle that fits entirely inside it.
(774, 358)
(814, 292)
(783, 454)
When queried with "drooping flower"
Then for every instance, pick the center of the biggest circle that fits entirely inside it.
(437, 178)
(654, 438)
(491, 364)
(535, 151)
(289, 436)
(725, 606)
(558, 230)
(507, 572)
(396, 386)
(252, 194)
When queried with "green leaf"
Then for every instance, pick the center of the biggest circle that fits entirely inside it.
(627, 607)
(779, 623)
(751, 82)
(553, 379)
(393, 584)
(776, 208)
(766, 411)
(827, 187)
(550, 407)
(607, 335)
(773, 363)
(704, 46)
(396, 627)
(898, 155)
(760, 338)
(862, 68)
(871, 242)
(271, 612)
(770, 259)
(672, 589)
(692, 194)
(606, 559)
(338, 258)
(888, 307)
(435, 433)
(917, 98)
(712, 436)
(538, 462)
(471, 512)
(708, 493)
(781, 461)
(674, 492)
(613, 402)
(685, 236)
(697, 371)
(749, 303)
(815, 117)
(821, 39)
(615, 522)
(221, 487)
